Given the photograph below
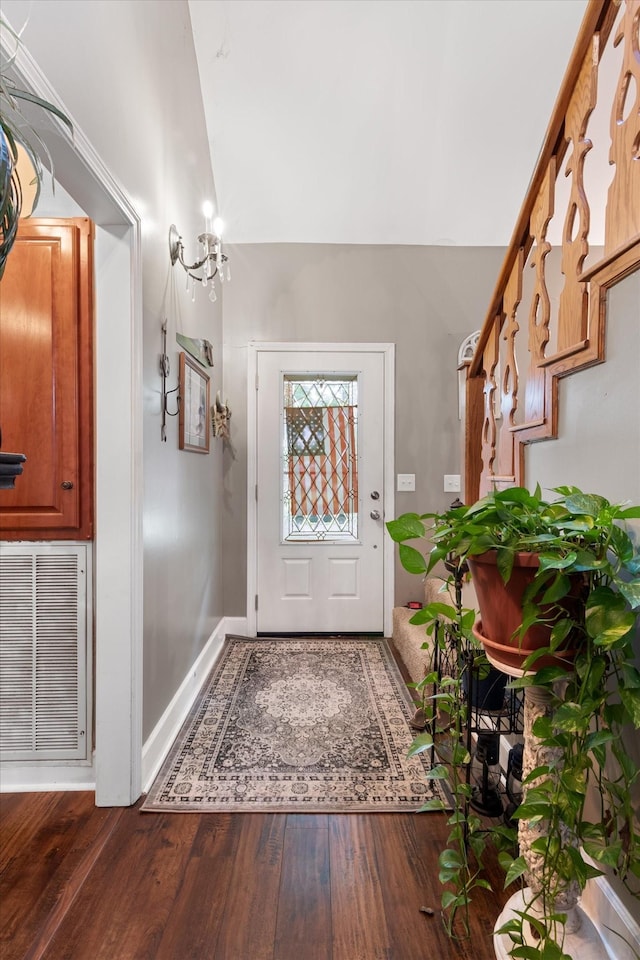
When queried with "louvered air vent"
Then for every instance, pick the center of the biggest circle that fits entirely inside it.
(43, 700)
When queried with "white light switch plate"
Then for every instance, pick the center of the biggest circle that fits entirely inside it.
(406, 482)
(452, 483)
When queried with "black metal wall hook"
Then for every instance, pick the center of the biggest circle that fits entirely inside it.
(164, 372)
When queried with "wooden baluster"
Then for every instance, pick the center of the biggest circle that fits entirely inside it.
(623, 202)
(540, 312)
(574, 299)
(506, 472)
(490, 363)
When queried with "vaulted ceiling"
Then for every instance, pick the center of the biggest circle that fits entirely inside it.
(378, 121)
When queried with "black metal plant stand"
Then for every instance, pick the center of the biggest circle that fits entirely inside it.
(490, 713)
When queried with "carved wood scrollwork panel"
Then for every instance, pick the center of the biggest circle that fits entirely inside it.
(540, 312)
(509, 384)
(489, 433)
(574, 339)
(623, 201)
(573, 309)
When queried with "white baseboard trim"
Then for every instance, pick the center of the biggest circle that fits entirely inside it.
(619, 931)
(238, 626)
(165, 731)
(45, 776)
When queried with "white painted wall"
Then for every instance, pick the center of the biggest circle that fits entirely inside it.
(129, 80)
(375, 121)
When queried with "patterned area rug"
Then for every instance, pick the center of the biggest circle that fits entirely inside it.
(315, 725)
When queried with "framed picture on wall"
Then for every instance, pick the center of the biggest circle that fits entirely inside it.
(193, 419)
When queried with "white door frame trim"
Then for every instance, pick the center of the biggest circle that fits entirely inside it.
(388, 350)
(118, 582)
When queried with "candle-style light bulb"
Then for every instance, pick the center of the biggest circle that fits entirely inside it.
(207, 209)
(218, 226)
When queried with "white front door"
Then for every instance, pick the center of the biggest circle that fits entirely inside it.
(320, 453)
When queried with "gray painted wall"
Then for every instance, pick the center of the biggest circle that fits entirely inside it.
(598, 445)
(423, 299)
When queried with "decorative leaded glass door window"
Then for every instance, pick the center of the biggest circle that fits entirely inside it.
(320, 457)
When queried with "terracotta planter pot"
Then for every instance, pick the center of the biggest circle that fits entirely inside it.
(500, 603)
(500, 606)
(510, 657)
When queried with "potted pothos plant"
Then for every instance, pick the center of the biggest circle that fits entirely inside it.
(579, 600)
(18, 134)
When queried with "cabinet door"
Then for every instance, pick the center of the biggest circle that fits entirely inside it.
(46, 380)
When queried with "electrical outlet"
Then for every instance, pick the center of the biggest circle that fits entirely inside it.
(452, 483)
(406, 482)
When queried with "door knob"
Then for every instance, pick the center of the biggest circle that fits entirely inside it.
(375, 495)
(375, 514)
(67, 485)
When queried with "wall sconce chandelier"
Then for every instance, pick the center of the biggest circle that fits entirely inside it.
(211, 260)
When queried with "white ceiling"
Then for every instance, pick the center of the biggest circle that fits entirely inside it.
(378, 121)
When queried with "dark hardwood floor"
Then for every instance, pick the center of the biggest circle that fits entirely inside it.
(84, 883)
(78, 882)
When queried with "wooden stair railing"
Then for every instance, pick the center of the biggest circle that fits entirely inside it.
(512, 380)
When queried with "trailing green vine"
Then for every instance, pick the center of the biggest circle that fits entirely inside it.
(581, 795)
(444, 704)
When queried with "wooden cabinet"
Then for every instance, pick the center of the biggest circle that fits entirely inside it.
(46, 380)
